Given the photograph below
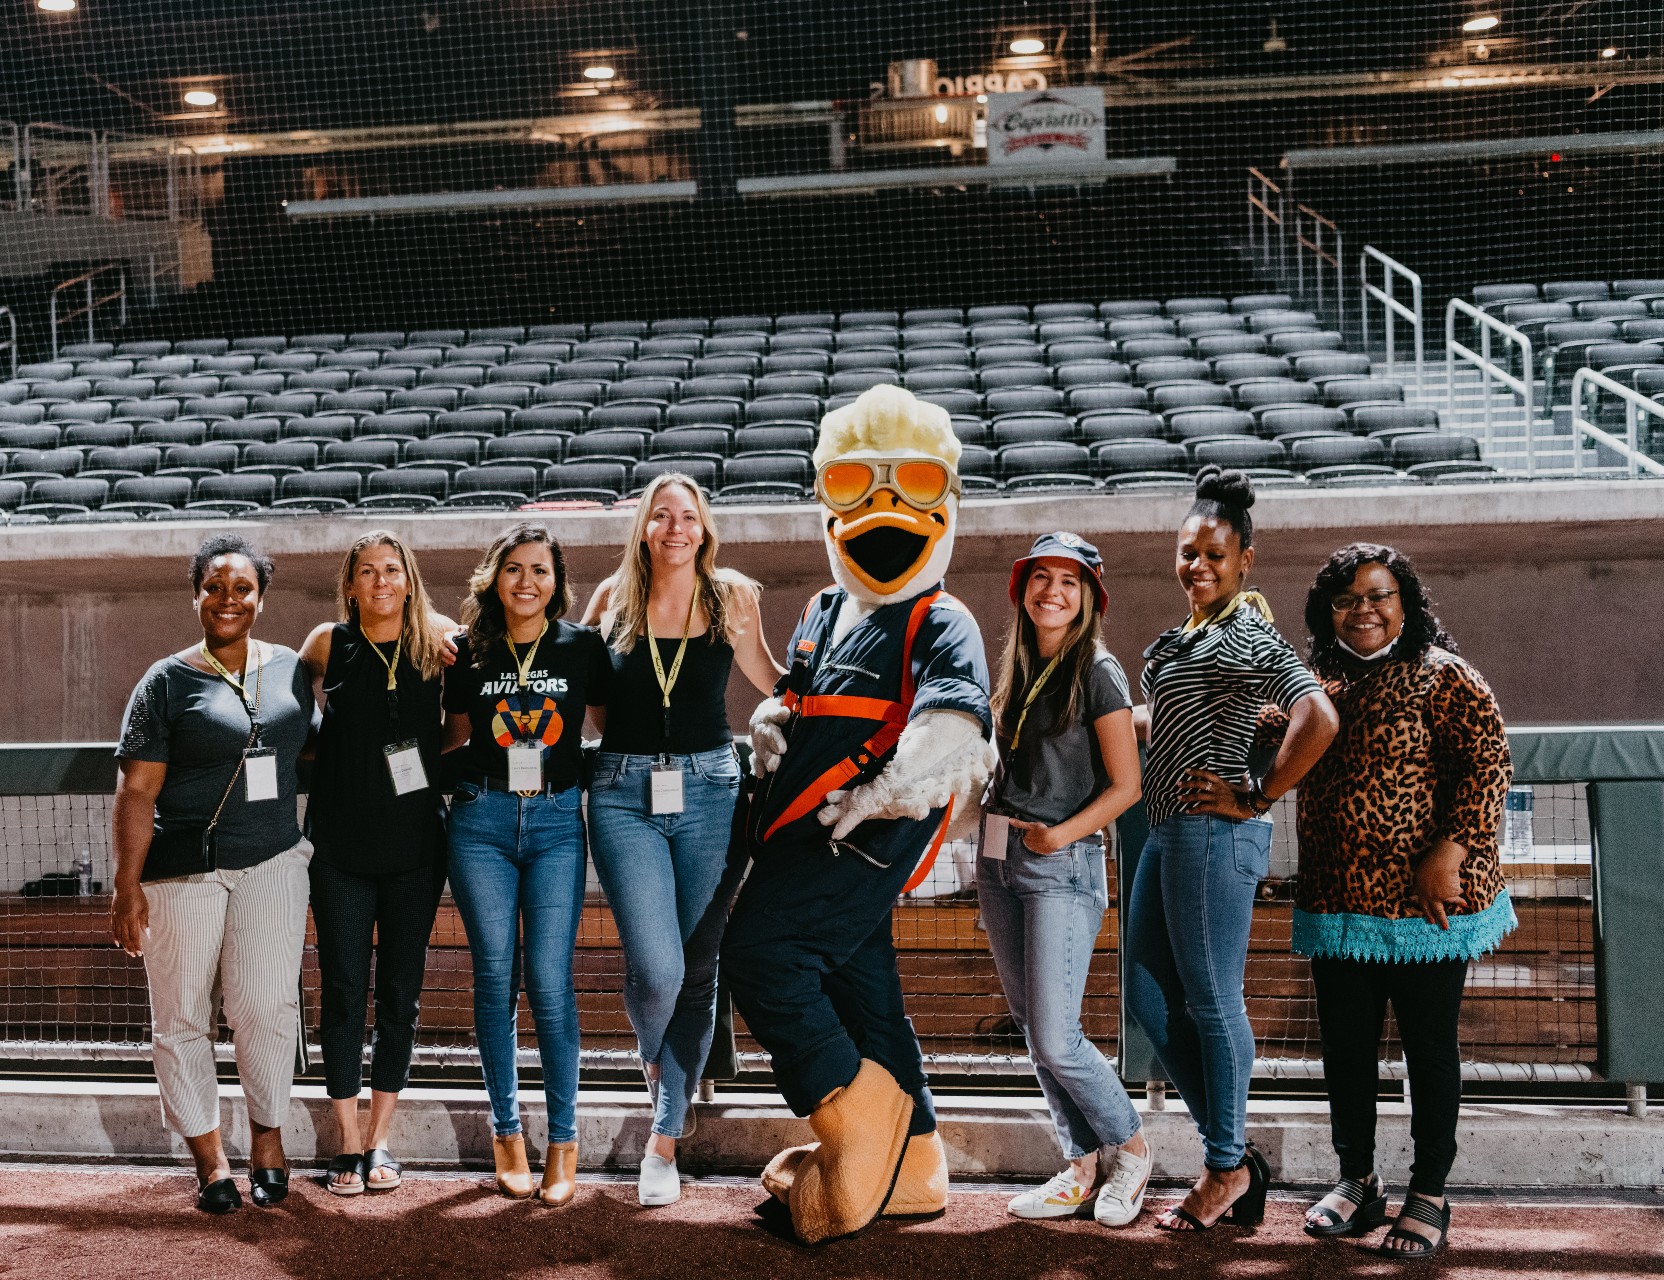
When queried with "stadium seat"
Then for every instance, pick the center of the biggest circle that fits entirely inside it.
(246, 430)
(1273, 322)
(1252, 393)
(1052, 331)
(1343, 391)
(25, 415)
(318, 426)
(1486, 296)
(1149, 372)
(727, 411)
(938, 356)
(802, 340)
(998, 332)
(784, 408)
(1195, 306)
(279, 458)
(1044, 465)
(1128, 308)
(1045, 311)
(777, 384)
(969, 429)
(1205, 421)
(362, 456)
(1332, 451)
(1140, 457)
(611, 443)
(925, 380)
(867, 338)
(1243, 453)
(774, 439)
(506, 485)
(72, 491)
(1231, 369)
(235, 492)
(1132, 350)
(863, 358)
(430, 483)
(169, 491)
(604, 481)
(408, 423)
(703, 471)
(1078, 373)
(935, 335)
(1443, 446)
(1211, 346)
(716, 441)
(735, 344)
(1575, 290)
(1200, 326)
(1014, 375)
(54, 462)
(1612, 309)
(460, 451)
(1362, 474)
(1003, 400)
(814, 362)
(916, 316)
(955, 401)
(1247, 303)
(734, 366)
(1329, 364)
(81, 411)
(1072, 350)
(998, 353)
(538, 446)
(1120, 424)
(1026, 428)
(1368, 419)
(1188, 394)
(96, 435)
(142, 458)
(334, 487)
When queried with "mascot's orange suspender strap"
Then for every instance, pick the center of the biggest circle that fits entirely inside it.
(894, 717)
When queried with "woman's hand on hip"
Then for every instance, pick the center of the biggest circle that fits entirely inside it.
(1038, 837)
(1208, 793)
(130, 919)
(1438, 883)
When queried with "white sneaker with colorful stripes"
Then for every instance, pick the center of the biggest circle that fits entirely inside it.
(1122, 1194)
(1059, 1198)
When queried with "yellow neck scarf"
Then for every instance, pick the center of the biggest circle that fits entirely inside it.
(1252, 598)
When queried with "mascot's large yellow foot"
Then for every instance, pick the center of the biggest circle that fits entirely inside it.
(842, 1184)
(921, 1188)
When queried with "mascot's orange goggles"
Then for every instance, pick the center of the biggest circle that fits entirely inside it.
(845, 483)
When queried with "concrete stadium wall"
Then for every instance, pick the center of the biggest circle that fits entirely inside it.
(1553, 589)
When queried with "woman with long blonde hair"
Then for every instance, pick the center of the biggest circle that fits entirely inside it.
(375, 818)
(662, 800)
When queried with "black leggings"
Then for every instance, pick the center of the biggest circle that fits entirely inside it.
(397, 911)
(1426, 997)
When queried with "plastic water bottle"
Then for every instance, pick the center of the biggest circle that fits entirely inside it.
(83, 872)
(1516, 830)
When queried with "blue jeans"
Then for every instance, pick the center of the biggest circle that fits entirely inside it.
(517, 874)
(1042, 913)
(665, 882)
(1187, 944)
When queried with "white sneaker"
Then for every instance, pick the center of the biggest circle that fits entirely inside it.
(1122, 1195)
(659, 1182)
(1059, 1198)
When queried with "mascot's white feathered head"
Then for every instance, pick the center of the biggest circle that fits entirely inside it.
(886, 473)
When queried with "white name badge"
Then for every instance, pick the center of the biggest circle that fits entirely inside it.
(404, 763)
(996, 831)
(525, 767)
(260, 768)
(666, 788)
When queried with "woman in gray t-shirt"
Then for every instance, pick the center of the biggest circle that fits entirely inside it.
(1068, 768)
(211, 737)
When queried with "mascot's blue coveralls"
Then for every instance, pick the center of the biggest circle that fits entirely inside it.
(877, 737)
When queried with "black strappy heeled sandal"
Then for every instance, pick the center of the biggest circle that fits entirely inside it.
(1418, 1209)
(1370, 1211)
(347, 1162)
(378, 1158)
(1247, 1210)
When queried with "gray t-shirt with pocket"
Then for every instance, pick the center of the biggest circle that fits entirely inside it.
(1053, 777)
(194, 722)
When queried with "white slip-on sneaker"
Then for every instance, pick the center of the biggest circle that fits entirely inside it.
(1059, 1198)
(659, 1182)
(1122, 1195)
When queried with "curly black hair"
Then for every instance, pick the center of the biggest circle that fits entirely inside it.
(1422, 628)
(1225, 495)
(216, 545)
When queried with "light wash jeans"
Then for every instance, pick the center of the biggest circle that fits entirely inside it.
(664, 878)
(517, 874)
(1187, 942)
(1043, 913)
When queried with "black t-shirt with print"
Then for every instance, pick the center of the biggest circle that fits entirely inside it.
(570, 672)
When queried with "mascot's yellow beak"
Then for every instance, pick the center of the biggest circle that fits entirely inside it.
(886, 513)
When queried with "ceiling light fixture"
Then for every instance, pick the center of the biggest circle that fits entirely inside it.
(942, 114)
(1025, 46)
(1484, 22)
(201, 98)
(1609, 52)
(601, 72)
(55, 6)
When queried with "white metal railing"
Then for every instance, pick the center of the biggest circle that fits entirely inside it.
(10, 345)
(159, 270)
(93, 303)
(1392, 309)
(16, 163)
(1636, 406)
(1267, 208)
(1326, 259)
(61, 171)
(1489, 369)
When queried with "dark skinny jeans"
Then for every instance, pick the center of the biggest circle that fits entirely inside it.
(1426, 998)
(391, 916)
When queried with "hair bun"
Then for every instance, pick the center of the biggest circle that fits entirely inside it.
(1229, 488)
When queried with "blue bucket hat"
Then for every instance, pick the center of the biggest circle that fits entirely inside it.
(1064, 546)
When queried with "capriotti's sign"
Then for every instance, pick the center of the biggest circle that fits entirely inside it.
(1047, 128)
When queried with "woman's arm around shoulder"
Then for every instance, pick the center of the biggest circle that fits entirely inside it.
(599, 604)
(745, 626)
(314, 655)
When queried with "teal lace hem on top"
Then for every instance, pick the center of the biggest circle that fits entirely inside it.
(1353, 937)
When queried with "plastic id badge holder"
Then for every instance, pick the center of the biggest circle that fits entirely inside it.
(996, 830)
(525, 767)
(666, 794)
(404, 765)
(260, 768)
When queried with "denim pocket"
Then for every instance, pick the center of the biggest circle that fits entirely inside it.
(1251, 848)
(1044, 872)
(608, 767)
(465, 794)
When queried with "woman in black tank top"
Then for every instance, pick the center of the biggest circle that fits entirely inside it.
(662, 800)
(375, 818)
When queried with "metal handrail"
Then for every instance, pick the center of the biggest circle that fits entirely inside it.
(92, 304)
(1635, 404)
(1262, 217)
(1391, 306)
(1314, 245)
(10, 345)
(19, 154)
(37, 143)
(1489, 369)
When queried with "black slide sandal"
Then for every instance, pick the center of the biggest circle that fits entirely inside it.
(378, 1158)
(268, 1188)
(219, 1196)
(1371, 1211)
(347, 1162)
(1418, 1209)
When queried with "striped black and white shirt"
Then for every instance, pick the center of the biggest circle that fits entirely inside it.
(1204, 689)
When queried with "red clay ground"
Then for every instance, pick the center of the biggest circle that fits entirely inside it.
(139, 1225)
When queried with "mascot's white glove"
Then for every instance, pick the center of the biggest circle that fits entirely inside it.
(941, 756)
(768, 738)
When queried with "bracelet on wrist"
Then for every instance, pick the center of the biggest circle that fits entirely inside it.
(1258, 801)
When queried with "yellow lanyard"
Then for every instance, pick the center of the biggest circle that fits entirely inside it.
(1033, 693)
(1249, 597)
(393, 666)
(667, 683)
(531, 654)
(240, 685)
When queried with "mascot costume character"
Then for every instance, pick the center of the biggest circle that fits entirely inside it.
(877, 739)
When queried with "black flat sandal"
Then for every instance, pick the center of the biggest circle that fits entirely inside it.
(1247, 1210)
(219, 1196)
(1370, 1212)
(347, 1162)
(378, 1158)
(1418, 1209)
(268, 1187)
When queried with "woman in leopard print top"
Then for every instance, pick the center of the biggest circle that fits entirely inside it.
(1400, 882)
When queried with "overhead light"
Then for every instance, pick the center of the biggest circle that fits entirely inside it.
(982, 97)
(599, 72)
(201, 97)
(1026, 45)
(1609, 52)
(942, 114)
(1484, 22)
(55, 6)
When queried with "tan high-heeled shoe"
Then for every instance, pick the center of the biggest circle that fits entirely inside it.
(514, 1175)
(560, 1174)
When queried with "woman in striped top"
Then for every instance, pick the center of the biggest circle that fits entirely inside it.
(1188, 920)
